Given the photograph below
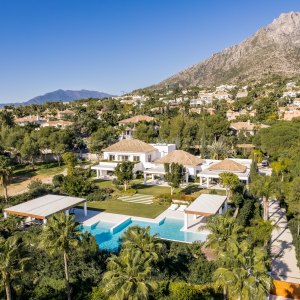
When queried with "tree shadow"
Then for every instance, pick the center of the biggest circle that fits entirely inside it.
(191, 189)
(18, 178)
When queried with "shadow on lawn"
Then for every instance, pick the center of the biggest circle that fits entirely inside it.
(140, 186)
(190, 189)
(23, 176)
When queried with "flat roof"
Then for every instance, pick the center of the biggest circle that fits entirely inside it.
(156, 170)
(206, 205)
(45, 206)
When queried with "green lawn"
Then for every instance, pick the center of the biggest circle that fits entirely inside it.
(126, 208)
(155, 190)
(51, 171)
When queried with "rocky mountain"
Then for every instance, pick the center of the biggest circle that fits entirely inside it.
(62, 96)
(274, 49)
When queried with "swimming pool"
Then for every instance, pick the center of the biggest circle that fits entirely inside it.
(169, 229)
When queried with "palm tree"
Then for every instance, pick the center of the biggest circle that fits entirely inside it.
(218, 149)
(60, 235)
(13, 259)
(223, 230)
(128, 276)
(230, 181)
(5, 174)
(243, 271)
(263, 187)
(138, 238)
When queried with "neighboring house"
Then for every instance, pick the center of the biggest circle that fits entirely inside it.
(30, 120)
(139, 152)
(199, 110)
(65, 113)
(212, 170)
(246, 127)
(290, 114)
(128, 130)
(206, 97)
(291, 94)
(291, 84)
(222, 95)
(191, 163)
(224, 88)
(57, 124)
(232, 115)
(296, 102)
(241, 94)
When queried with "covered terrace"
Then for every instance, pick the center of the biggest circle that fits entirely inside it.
(241, 168)
(205, 205)
(42, 208)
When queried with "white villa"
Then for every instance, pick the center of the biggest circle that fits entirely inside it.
(150, 159)
(212, 169)
(191, 163)
(141, 153)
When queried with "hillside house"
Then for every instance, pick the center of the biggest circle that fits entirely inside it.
(130, 123)
(246, 127)
(30, 120)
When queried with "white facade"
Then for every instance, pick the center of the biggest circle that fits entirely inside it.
(292, 94)
(143, 160)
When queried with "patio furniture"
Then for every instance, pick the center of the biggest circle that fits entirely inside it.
(173, 207)
(182, 207)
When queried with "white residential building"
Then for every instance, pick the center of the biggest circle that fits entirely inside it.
(224, 88)
(141, 153)
(291, 94)
(212, 169)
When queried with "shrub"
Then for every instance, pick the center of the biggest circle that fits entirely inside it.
(293, 225)
(183, 197)
(34, 184)
(130, 191)
(77, 186)
(183, 291)
(58, 180)
(99, 195)
(246, 212)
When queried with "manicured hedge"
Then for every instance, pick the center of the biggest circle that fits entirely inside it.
(293, 225)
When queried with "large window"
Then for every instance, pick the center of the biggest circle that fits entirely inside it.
(123, 157)
(112, 157)
(136, 158)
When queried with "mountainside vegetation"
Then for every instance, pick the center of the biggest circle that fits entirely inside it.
(272, 50)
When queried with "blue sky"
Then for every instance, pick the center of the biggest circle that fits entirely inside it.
(117, 45)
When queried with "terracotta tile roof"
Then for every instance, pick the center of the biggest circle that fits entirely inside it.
(180, 157)
(228, 165)
(29, 119)
(245, 146)
(247, 126)
(130, 146)
(137, 119)
(57, 123)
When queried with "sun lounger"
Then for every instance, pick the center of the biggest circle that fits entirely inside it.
(173, 207)
(182, 207)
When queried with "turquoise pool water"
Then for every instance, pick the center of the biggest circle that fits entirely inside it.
(169, 230)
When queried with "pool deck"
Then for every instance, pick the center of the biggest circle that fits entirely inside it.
(93, 217)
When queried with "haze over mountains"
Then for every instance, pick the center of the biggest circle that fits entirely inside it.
(274, 49)
(62, 96)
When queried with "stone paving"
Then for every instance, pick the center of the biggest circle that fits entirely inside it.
(284, 264)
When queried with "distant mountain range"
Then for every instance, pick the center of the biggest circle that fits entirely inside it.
(62, 96)
(274, 49)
